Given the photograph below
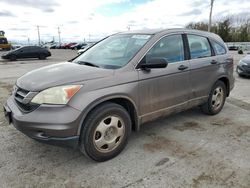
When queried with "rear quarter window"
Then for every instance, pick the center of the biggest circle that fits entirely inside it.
(219, 49)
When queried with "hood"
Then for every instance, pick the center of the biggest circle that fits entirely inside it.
(60, 74)
(246, 59)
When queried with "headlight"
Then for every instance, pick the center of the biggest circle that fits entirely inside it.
(242, 63)
(56, 95)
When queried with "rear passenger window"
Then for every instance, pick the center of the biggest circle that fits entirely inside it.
(170, 48)
(199, 47)
(218, 48)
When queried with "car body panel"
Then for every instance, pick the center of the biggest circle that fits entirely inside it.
(161, 89)
(58, 74)
(153, 93)
(243, 67)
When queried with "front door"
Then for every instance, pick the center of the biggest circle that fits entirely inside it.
(164, 90)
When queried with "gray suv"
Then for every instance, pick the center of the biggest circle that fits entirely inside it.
(94, 101)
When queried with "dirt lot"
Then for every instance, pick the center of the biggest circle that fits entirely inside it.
(189, 149)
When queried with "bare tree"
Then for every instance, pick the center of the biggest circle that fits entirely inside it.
(210, 15)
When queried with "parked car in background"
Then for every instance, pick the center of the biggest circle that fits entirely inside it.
(97, 99)
(84, 48)
(53, 45)
(233, 48)
(68, 45)
(27, 52)
(78, 46)
(15, 46)
(243, 67)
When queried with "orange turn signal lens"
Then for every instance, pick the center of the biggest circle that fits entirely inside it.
(71, 91)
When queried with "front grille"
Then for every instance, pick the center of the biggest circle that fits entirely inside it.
(20, 94)
(23, 99)
(26, 108)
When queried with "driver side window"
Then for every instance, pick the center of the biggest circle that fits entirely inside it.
(170, 48)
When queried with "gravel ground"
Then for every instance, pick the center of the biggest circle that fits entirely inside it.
(188, 149)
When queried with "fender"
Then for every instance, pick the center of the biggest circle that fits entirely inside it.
(99, 101)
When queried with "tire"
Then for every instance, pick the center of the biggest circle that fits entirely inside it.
(42, 56)
(216, 99)
(13, 58)
(105, 132)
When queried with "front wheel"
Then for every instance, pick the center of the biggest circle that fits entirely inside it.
(105, 132)
(13, 58)
(216, 99)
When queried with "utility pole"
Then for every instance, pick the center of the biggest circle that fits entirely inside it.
(38, 32)
(210, 15)
(59, 36)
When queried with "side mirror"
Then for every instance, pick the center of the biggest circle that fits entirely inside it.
(154, 63)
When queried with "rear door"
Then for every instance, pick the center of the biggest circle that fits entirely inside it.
(164, 90)
(203, 66)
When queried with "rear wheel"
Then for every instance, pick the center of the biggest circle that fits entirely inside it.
(105, 132)
(42, 56)
(216, 99)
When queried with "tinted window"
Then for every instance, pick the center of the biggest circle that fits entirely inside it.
(24, 49)
(199, 46)
(170, 48)
(218, 48)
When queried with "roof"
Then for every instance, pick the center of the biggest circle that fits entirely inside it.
(155, 31)
(163, 31)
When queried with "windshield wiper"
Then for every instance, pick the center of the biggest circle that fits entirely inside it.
(87, 63)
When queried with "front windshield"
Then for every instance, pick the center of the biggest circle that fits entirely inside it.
(113, 52)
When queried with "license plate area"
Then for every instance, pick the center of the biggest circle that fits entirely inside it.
(7, 113)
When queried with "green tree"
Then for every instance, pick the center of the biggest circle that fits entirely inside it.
(224, 30)
(243, 34)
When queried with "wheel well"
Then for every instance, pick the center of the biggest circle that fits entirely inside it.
(129, 106)
(226, 82)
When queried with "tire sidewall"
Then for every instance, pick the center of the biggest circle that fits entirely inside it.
(86, 142)
(13, 58)
(216, 85)
(41, 56)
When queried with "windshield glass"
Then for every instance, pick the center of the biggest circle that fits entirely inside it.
(113, 52)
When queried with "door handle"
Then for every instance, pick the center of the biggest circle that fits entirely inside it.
(182, 67)
(214, 62)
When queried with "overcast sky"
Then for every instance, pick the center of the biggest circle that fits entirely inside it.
(79, 19)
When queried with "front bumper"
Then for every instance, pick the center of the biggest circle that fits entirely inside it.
(243, 70)
(4, 57)
(52, 124)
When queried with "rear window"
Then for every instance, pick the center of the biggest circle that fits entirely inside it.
(199, 47)
(218, 48)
